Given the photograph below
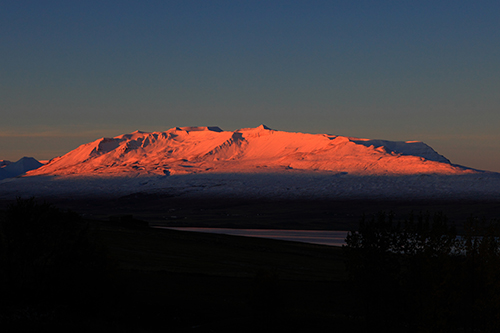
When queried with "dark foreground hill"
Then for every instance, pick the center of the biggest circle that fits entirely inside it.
(141, 279)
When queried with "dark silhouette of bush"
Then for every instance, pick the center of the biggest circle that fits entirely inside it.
(417, 275)
(49, 260)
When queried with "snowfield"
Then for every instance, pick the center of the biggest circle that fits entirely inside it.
(279, 186)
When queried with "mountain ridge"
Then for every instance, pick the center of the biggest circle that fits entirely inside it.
(187, 150)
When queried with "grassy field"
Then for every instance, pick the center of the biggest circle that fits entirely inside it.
(205, 282)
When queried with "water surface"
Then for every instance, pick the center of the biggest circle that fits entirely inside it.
(323, 237)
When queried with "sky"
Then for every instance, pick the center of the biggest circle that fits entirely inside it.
(72, 72)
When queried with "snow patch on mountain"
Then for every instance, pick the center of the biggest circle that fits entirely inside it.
(415, 148)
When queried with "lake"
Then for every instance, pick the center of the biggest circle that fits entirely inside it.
(323, 237)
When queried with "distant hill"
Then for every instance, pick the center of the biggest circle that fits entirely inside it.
(190, 150)
(25, 164)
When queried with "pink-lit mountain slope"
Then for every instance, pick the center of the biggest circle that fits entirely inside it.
(210, 149)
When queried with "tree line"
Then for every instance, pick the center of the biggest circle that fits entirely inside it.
(419, 275)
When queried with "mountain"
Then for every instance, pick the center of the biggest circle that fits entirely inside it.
(190, 150)
(9, 169)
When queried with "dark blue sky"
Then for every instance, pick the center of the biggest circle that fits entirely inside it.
(72, 72)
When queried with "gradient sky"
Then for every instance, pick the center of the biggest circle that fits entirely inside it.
(72, 72)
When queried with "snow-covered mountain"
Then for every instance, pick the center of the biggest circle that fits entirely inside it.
(9, 169)
(190, 150)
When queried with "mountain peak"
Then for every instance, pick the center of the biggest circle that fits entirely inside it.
(18, 168)
(259, 128)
